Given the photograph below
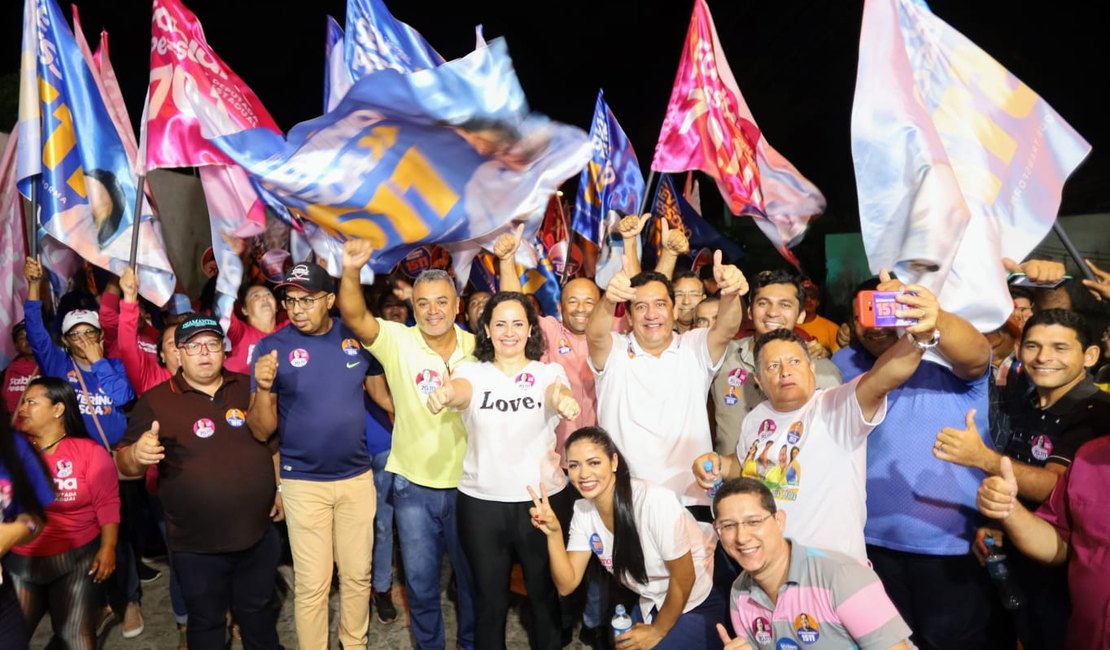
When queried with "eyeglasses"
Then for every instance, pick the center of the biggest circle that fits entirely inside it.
(305, 303)
(88, 335)
(681, 295)
(730, 527)
(193, 348)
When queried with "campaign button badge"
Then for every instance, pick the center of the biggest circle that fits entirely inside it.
(350, 347)
(63, 468)
(1042, 447)
(595, 544)
(794, 434)
(807, 628)
(235, 417)
(767, 428)
(298, 358)
(524, 380)
(564, 346)
(737, 377)
(761, 630)
(204, 428)
(427, 381)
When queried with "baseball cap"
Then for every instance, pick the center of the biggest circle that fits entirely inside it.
(194, 325)
(78, 316)
(307, 277)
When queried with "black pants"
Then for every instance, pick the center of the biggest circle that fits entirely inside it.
(13, 631)
(492, 533)
(947, 600)
(243, 581)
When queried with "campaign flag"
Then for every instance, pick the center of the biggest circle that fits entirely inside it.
(337, 77)
(72, 152)
(542, 282)
(439, 155)
(958, 163)
(673, 207)
(708, 126)
(378, 41)
(13, 287)
(555, 236)
(611, 185)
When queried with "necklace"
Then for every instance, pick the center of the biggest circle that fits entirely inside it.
(52, 445)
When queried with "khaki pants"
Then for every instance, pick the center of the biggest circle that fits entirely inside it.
(331, 521)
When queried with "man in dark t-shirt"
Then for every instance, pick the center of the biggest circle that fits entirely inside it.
(217, 486)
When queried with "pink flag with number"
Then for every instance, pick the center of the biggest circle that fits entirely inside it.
(708, 126)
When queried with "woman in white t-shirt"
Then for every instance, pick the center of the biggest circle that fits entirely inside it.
(510, 403)
(640, 533)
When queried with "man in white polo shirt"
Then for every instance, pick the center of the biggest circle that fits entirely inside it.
(652, 383)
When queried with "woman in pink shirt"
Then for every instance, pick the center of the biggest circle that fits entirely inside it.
(261, 313)
(60, 570)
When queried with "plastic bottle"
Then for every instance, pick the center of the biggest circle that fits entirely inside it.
(708, 467)
(622, 622)
(999, 571)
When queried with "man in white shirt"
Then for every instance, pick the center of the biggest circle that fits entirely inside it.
(652, 383)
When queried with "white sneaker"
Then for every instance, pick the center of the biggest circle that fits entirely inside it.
(132, 621)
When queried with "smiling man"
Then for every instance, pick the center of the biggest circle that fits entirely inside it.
(790, 596)
(776, 303)
(652, 383)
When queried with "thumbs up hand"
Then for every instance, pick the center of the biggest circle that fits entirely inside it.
(620, 287)
(739, 643)
(962, 446)
(148, 449)
(997, 497)
(729, 279)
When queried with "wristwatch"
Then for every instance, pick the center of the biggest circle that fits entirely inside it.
(931, 343)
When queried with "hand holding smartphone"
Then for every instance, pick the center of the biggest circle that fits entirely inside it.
(877, 309)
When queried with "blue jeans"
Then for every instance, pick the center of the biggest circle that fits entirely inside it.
(695, 629)
(383, 524)
(426, 523)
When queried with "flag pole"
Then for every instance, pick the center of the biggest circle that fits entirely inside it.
(1073, 251)
(136, 218)
(33, 219)
(647, 192)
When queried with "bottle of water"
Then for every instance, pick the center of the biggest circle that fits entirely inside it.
(622, 622)
(999, 571)
(708, 467)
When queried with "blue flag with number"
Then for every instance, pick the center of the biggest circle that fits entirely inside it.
(612, 179)
(439, 155)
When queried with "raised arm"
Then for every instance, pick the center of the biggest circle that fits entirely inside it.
(49, 356)
(504, 249)
(630, 228)
(899, 362)
(733, 286)
(1033, 536)
(454, 394)
(352, 305)
(262, 415)
(674, 243)
(598, 338)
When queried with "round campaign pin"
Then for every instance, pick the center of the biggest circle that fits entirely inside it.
(730, 397)
(595, 544)
(787, 644)
(63, 468)
(204, 428)
(737, 377)
(767, 428)
(350, 347)
(761, 630)
(564, 346)
(807, 628)
(1042, 447)
(298, 358)
(427, 381)
(794, 434)
(235, 417)
(524, 380)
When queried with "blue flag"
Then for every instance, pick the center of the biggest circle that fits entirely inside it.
(440, 155)
(612, 179)
(669, 204)
(70, 149)
(337, 76)
(542, 282)
(378, 41)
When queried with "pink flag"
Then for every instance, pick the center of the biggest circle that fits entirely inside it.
(13, 288)
(708, 126)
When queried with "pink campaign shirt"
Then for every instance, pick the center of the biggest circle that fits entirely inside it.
(570, 352)
(244, 337)
(87, 497)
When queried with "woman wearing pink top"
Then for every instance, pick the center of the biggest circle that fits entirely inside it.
(60, 569)
(261, 313)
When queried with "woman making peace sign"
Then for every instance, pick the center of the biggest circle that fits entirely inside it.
(641, 534)
(510, 404)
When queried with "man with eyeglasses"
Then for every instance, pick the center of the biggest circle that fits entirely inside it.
(100, 382)
(818, 473)
(217, 486)
(308, 386)
(793, 596)
(688, 293)
(776, 303)
(427, 454)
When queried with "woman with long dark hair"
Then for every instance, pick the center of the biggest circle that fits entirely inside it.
(642, 535)
(25, 490)
(59, 570)
(510, 404)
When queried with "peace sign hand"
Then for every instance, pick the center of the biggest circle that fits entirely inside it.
(543, 517)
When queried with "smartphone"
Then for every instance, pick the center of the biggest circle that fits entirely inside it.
(1020, 280)
(877, 308)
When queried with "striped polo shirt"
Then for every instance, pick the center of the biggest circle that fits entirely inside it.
(830, 601)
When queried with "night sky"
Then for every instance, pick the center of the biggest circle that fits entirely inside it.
(794, 60)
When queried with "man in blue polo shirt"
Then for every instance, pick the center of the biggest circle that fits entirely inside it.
(921, 514)
(306, 378)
